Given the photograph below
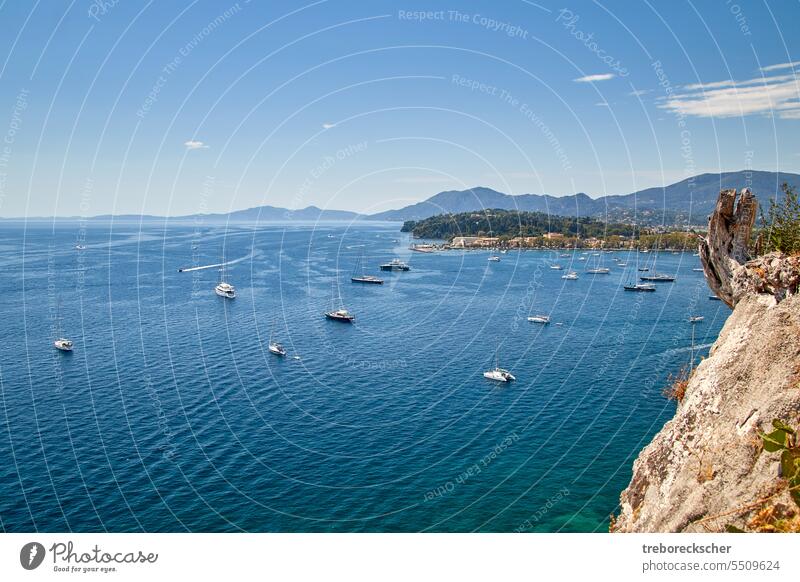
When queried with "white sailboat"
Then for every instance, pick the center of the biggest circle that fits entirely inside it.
(498, 374)
(275, 347)
(61, 343)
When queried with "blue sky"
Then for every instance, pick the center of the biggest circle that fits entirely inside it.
(176, 108)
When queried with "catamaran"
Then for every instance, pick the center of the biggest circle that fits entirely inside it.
(498, 374)
(63, 344)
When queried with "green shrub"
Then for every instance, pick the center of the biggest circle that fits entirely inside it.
(781, 225)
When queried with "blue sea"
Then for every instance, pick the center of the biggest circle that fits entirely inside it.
(171, 415)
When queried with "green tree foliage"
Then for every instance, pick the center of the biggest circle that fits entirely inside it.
(512, 223)
(781, 225)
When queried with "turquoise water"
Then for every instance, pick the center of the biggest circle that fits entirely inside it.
(171, 415)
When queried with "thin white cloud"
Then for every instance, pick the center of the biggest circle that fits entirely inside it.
(777, 95)
(732, 83)
(328, 125)
(594, 78)
(195, 145)
(602, 104)
(640, 92)
(780, 66)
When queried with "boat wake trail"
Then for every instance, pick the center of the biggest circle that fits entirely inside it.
(214, 266)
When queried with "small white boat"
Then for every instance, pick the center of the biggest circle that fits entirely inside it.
(696, 319)
(63, 344)
(80, 248)
(545, 319)
(225, 290)
(499, 375)
(571, 276)
(699, 270)
(556, 267)
(599, 271)
(621, 264)
(494, 259)
(277, 349)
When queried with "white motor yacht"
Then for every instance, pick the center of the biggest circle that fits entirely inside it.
(572, 276)
(539, 319)
(225, 290)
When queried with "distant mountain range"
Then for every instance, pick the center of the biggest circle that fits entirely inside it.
(689, 201)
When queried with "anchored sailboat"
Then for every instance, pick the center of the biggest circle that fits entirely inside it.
(359, 276)
(498, 374)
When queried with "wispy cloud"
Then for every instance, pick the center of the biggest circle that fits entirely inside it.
(594, 78)
(328, 125)
(780, 66)
(195, 145)
(778, 95)
(640, 92)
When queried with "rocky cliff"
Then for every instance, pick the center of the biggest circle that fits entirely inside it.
(707, 469)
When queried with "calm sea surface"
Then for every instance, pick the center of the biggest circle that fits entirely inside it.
(171, 415)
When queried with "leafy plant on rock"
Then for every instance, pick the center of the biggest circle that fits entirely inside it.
(784, 438)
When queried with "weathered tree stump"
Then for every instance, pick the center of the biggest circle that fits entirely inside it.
(725, 256)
